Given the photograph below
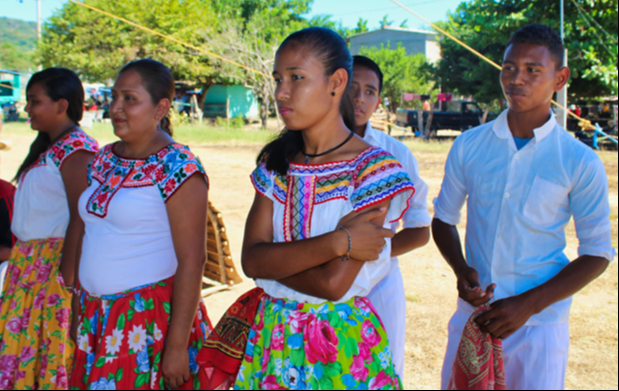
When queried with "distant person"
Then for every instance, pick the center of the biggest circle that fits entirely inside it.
(7, 239)
(35, 311)
(141, 320)
(389, 297)
(525, 178)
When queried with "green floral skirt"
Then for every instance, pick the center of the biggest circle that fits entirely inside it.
(300, 346)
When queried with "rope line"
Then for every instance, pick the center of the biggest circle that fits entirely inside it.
(585, 15)
(8, 86)
(168, 37)
(486, 59)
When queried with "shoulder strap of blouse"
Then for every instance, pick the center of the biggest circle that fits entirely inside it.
(262, 179)
(378, 178)
(176, 165)
(70, 144)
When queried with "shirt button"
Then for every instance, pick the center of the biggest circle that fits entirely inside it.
(507, 195)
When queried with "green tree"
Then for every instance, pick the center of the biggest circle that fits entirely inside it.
(362, 26)
(345, 32)
(97, 46)
(486, 25)
(402, 73)
(386, 22)
(247, 10)
(252, 38)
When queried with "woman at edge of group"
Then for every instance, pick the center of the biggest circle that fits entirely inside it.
(142, 321)
(35, 310)
(317, 237)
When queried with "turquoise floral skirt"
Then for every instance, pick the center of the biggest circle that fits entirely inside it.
(300, 346)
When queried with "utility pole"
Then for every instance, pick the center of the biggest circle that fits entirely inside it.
(563, 19)
(562, 95)
(39, 27)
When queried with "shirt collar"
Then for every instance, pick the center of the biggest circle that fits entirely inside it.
(369, 132)
(501, 128)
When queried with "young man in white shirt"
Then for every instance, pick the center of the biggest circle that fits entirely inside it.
(389, 297)
(524, 177)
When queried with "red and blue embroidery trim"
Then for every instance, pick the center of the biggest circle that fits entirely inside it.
(61, 150)
(168, 170)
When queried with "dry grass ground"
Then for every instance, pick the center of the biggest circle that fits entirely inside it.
(430, 284)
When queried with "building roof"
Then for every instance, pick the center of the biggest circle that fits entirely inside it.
(400, 29)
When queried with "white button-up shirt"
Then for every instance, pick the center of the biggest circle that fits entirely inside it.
(389, 296)
(519, 204)
(417, 215)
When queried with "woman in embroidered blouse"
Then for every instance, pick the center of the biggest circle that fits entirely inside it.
(35, 311)
(314, 327)
(142, 321)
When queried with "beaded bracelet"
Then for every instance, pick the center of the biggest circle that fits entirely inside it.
(347, 257)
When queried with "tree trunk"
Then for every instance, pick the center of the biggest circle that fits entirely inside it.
(429, 123)
(484, 117)
(420, 122)
(264, 112)
(205, 90)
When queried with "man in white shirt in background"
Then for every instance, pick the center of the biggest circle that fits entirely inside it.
(524, 177)
(389, 297)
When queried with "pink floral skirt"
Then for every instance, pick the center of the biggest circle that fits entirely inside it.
(298, 346)
(35, 315)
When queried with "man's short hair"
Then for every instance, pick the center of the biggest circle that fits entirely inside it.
(539, 34)
(365, 62)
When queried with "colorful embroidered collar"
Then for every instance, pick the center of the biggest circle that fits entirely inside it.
(62, 149)
(167, 169)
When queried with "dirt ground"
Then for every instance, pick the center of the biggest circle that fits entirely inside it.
(430, 284)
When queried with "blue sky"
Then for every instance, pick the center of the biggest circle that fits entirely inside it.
(348, 11)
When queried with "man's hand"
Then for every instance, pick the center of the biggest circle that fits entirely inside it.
(506, 316)
(469, 289)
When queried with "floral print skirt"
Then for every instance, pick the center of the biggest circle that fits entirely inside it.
(121, 340)
(35, 315)
(297, 346)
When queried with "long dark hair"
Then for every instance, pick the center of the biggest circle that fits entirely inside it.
(59, 83)
(158, 81)
(331, 49)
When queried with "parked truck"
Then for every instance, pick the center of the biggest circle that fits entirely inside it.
(459, 116)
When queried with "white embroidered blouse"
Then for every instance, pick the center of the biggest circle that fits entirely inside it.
(41, 208)
(312, 199)
(128, 240)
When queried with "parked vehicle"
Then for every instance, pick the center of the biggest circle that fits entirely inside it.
(460, 116)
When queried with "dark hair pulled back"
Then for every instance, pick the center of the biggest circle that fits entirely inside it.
(58, 83)
(331, 49)
(158, 81)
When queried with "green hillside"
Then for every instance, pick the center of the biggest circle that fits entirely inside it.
(19, 33)
(17, 44)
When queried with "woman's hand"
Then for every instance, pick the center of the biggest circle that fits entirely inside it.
(367, 234)
(175, 367)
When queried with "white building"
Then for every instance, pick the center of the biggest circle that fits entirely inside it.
(414, 41)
